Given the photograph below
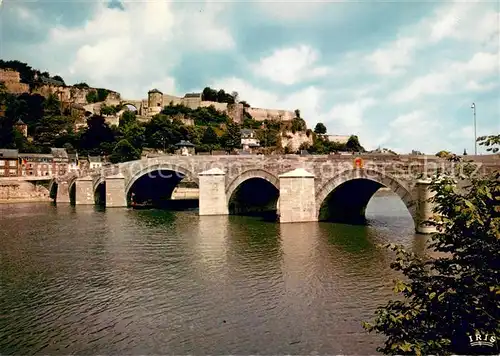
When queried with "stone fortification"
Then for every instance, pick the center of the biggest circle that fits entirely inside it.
(19, 191)
(12, 81)
(260, 114)
(294, 140)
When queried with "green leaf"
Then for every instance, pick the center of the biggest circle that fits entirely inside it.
(432, 295)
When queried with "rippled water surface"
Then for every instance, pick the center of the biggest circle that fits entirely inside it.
(117, 281)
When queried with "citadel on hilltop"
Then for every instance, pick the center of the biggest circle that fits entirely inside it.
(77, 96)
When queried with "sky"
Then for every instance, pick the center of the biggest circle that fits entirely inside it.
(400, 75)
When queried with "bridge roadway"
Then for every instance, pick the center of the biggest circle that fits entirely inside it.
(299, 188)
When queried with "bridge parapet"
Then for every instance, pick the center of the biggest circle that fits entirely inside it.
(399, 173)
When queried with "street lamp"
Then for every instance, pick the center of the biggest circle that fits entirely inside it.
(473, 107)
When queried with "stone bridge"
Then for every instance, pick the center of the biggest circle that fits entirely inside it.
(298, 188)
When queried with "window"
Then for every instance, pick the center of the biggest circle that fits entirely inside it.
(12, 163)
(2, 171)
(13, 172)
(2, 162)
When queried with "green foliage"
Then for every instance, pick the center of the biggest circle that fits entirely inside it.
(81, 86)
(110, 109)
(446, 298)
(353, 144)
(91, 97)
(124, 152)
(202, 116)
(232, 137)
(26, 73)
(298, 124)
(209, 136)
(491, 142)
(320, 128)
(163, 133)
(249, 123)
(269, 135)
(97, 95)
(220, 96)
(59, 78)
(443, 154)
(98, 138)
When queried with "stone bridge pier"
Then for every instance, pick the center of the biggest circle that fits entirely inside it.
(291, 188)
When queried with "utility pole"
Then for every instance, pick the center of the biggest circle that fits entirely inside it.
(473, 107)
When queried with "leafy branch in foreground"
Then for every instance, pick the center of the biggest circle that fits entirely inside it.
(455, 293)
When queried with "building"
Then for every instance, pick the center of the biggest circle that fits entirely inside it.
(342, 139)
(95, 162)
(60, 161)
(185, 148)
(249, 139)
(21, 127)
(44, 164)
(12, 81)
(48, 81)
(9, 163)
(73, 163)
(35, 164)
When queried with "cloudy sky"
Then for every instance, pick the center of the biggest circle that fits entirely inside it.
(399, 75)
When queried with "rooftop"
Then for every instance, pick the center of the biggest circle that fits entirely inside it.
(95, 159)
(154, 91)
(184, 143)
(8, 153)
(20, 122)
(59, 152)
(51, 81)
(192, 95)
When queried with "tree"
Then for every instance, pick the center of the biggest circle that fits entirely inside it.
(320, 128)
(209, 136)
(124, 152)
(353, 144)
(59, 78)
(454, 296)
(491, 142)
(465, 152)
(232, 137)
(297, 113)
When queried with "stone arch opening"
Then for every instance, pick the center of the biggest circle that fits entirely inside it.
(163, 186)
(99, 188)
(345, 197)
(129, 106)
(72, 192)
(254, 192)
(53, 186)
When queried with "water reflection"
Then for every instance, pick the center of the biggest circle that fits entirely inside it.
(113, 281)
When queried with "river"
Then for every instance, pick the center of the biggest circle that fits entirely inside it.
(119, 281)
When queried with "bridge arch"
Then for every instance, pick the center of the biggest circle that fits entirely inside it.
(72, 189)
(176, 174)
(124, 104)
(253, 191)
(53, 186)
(345, 196)
(99, 189)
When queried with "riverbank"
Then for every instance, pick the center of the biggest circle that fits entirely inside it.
(28, 200)
(20, 191)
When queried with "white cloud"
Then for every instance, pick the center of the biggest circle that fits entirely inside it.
(349, 115)
(308, 99)
(290, 65)
(128, 50)
(454, 77)
(394, 58)
(288, 11)
(463, 21)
